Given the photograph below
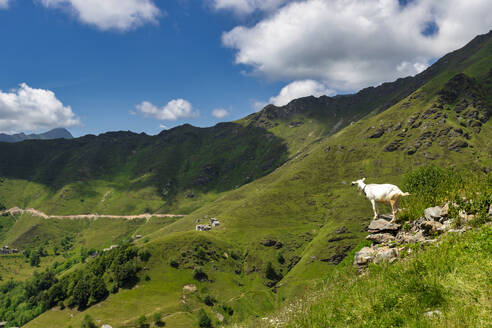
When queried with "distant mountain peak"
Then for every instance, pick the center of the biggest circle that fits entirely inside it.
(57, 133)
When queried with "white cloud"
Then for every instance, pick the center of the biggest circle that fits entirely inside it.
(350, 44)
(119, 15)
(258, 105)
(4, 4)
(162, 126)
(298, 89)
(220, 113)
(27, 109)
(175, 109)
(247, 6)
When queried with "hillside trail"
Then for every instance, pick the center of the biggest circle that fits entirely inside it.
(34, 212)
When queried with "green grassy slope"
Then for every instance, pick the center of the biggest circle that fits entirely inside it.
(450, 279)
(305, 207)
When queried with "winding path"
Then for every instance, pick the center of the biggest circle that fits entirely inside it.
(34, 212)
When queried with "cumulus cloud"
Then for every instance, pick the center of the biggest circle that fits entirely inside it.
(220, 113)
(175, 109)
(350, 44)
(298, 89)
(247, 6)
(28, 109)
(4, 4)
(258, 105)
(119, 15)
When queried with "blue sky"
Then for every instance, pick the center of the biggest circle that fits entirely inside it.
(92, 70)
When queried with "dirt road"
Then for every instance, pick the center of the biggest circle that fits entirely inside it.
(34, 212)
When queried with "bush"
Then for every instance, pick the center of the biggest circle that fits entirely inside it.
(157, 318)
(142, 321)
(431, 186)
(209, 300)
(271, 274)
(174, 263)
(88, 322)
(144, 255)
(204, 320)
(200, 275)
(227, 309)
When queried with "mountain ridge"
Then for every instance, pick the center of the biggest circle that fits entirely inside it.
(57, 133)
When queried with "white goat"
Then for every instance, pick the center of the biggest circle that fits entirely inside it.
(381, 193)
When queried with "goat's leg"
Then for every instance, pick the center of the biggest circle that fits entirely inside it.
(373, 202)
(393, 211)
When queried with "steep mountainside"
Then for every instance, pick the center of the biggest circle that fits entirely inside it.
(287, 228)
(182, 169)
(59, 133)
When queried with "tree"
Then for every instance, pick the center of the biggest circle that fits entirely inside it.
(209, 300)
(34, 259)
(81, 293)
(157, 318)
(88, 322)
(98, 290)
(142, 321)
(204, 320)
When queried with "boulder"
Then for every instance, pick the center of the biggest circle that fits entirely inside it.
(445, 210)
(381, 238)
(364, 256)
(268, 242)
(431, 314)
(410, 238)
(465, 217)
(189, 289)
(386, 254)
(381, 225)
(431, 227)
(433, 213)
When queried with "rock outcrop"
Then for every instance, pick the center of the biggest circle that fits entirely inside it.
(389, 239)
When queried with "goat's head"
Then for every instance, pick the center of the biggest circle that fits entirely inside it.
(358, 183)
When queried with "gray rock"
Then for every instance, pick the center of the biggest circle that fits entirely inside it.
(364, 256)
(431, 314)
(381, 238)
(385, 254)
(465, 217)
(220, 317)
(410, 238)
(433, 213)
(381, 225)
(445, 210)
(431, 227)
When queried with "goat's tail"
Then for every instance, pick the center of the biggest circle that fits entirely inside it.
(405, 194)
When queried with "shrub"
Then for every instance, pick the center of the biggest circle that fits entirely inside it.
(204, 320)
(271, 274)
(174, 263)
(200, 275)
(280, 258)
(209, 300)
(144, 255)
(157, 318)
(88, 322)
(227, 309)
(142, 321)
